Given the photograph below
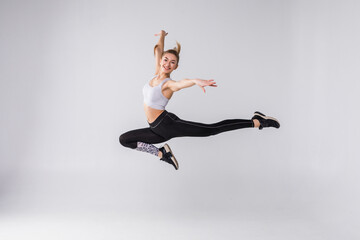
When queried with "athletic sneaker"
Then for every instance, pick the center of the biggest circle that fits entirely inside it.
(168, 156)
(266, 121)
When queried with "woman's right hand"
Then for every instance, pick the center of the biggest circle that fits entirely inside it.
(162, 33)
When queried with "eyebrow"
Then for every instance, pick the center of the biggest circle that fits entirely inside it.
(171, 60)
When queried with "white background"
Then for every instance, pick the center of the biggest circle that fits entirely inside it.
(71, 76)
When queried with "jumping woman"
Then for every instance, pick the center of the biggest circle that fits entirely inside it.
(164, 125)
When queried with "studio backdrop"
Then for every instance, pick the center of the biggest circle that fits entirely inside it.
(71, 78)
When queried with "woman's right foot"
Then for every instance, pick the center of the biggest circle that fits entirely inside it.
(265, 121)
(168, 156)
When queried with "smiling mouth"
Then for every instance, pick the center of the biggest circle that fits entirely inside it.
(166, 68)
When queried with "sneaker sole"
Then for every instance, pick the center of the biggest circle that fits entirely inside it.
(168, 149)
(266, 117)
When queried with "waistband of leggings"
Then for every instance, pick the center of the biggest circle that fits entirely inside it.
(158, 119)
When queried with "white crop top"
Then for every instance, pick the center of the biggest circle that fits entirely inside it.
(153, 96)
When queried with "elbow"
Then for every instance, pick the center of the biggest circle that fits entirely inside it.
(157, 49)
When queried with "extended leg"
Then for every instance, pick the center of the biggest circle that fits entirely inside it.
(195, 129)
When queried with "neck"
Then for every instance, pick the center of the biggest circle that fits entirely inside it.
(163, 75)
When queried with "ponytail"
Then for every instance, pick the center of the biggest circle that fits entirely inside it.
(178, 47)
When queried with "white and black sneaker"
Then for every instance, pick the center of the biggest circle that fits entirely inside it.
(266, 121)
(168, 156)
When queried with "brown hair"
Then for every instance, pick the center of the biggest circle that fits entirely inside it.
(175, 51)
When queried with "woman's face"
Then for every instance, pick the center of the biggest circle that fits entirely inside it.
(168, 63)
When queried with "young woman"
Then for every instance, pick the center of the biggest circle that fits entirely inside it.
(164, 125)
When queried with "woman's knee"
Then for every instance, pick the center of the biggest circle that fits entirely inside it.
(125, 141)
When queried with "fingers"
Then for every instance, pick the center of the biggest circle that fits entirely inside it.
(206, 83)
(202, 88)
(212, 83)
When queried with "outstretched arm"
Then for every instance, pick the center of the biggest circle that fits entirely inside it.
(185, 83)
(159, 49)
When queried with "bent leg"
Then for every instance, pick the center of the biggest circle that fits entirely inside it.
(146, 135)
(142, 140)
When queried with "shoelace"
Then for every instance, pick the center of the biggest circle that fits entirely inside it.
(167, 157)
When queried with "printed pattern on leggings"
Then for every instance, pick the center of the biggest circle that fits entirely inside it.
(149, 148)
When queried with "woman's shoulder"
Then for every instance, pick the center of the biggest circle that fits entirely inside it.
(168, 82)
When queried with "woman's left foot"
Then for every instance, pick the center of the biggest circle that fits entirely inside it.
(168, 156)
(265, 121)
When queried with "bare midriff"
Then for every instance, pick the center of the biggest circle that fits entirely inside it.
(151, 113)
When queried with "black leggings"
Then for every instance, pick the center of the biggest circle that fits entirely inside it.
(168, 126)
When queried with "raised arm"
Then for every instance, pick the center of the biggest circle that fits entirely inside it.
(185, 83)
(159, 49)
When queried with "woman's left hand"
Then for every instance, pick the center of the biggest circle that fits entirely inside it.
(161, 33)
(204, 83)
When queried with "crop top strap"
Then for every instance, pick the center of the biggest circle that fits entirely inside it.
(164, 81)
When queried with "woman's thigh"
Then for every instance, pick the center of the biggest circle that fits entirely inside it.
(172, 126)
(146, 135)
